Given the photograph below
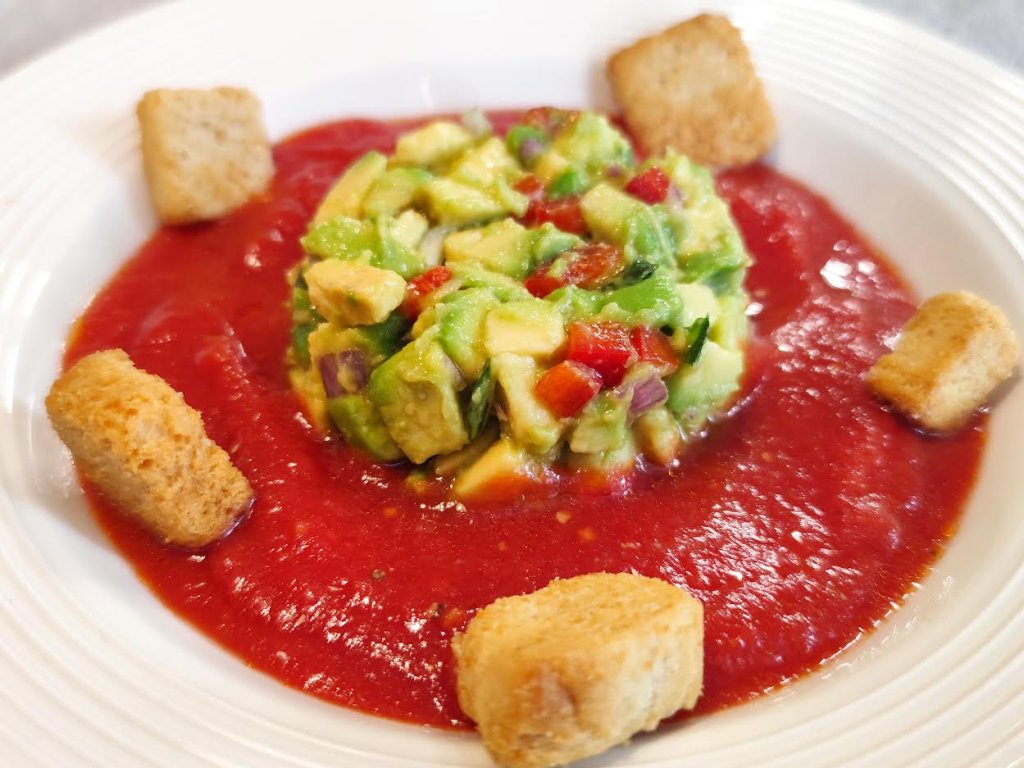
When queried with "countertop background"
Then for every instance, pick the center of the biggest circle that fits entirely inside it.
(993, 28)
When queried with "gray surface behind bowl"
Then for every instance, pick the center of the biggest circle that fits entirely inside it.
(993, 28)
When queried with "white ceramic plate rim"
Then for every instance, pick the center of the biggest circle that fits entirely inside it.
(916, 141)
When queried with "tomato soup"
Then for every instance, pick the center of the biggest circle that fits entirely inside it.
(798, 520)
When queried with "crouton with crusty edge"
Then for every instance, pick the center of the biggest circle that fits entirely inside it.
(205, 152)
(693, 88)
(146, 449)
(579, 666)
(949, 357)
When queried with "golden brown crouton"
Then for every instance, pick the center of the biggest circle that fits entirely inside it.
(950, 356)
(579, 666)
(146, 449)
(205, 151)
(693, 88)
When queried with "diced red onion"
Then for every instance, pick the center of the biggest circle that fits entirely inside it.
(615, 171)
(648, 393)
(344, 373)
(530, 150)
(430, 245)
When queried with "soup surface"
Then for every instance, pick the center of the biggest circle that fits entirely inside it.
(797, 521)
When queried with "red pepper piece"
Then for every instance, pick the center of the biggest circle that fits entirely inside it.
(605, 347)
(566, 388)
(655, 348)
(421, 286)
(651, 186)
(564, 214)
(590, 266)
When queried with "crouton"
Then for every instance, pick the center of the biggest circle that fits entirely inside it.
(693, 88)
(205, 152)
(949, 357)
(579, 666)
(146, 449)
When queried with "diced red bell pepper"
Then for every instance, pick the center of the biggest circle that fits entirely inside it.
(655, 348)
(590, 266)
(564, 214)
(531, 186)
(566, 388)
(605, 347)
(421, 286)
(651, 186)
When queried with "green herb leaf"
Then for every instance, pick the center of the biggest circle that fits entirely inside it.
(696, 335)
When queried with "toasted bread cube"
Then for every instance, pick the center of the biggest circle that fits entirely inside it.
(146, 449)
(348, 293)
(205, 152)
(693, 88)
(579, 666)
(950, 356)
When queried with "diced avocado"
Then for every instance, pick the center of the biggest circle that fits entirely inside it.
(652, 302)
(551, 241)
(449, 464)
(513, 201)
(694, 390)
(526, 143)
(359, 422)
(502, 465)
(572, 181)
(310, 389)
(504, 288)
(432, 144)
(409, 228)
(415, 391)
(300, 342)
(345, 198)
(393, 250)
(377, 342)
(609, 463)
(621, 219)
(550, 165)
(576, 303)
(394, 190)
(348, 294)
(602, 425)
(461, 328)
(505, 246)
(725, 256)
(531, 424)
(698, 301)
(592, 143)
(658, 436)
(342, 238)
(482, 165)
(456, 204)
(731, 327)
(531, 327)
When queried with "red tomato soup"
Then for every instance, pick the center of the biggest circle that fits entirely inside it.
(796, 522)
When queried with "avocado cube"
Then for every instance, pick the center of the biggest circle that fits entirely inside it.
(730, 329)
(505, 247)
(694, 391)
(551, 241)
(482, 165)
(397, 241)
(455, 204)
(461, 328)
(550, 165)
(432, 144)
(502, 464)
(349, 294)
(504, 288)
(653, 302)
(394, 190)
(531, 423)
(602, 425)
(415, 392)
(607, 210)
(377, 342)
(658, 436)
(607, 463)
(359, 422)
(345, 198)
(575, 303)
(593, 143)
(343, 238)
(532, 327)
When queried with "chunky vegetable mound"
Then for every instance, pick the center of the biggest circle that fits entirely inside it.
(500, 307)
